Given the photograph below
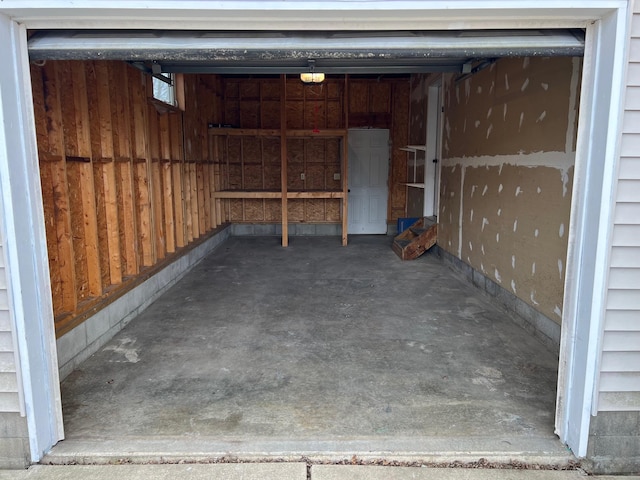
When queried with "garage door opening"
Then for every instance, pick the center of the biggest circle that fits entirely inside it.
(130, 184)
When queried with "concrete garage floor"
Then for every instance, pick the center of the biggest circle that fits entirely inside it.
(316, 351)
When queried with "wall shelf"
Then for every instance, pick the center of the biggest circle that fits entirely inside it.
(415, 162)
(218, 134)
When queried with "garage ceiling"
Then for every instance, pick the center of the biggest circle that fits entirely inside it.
(291, 52)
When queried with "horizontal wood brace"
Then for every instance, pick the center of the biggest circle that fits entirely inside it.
(78, 159)
(47, 157)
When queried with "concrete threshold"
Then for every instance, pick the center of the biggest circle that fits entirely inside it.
(428, 450)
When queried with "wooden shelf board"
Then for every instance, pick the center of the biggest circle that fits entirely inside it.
(317, 133)
(239, 194)
(245, 132)
(258, 132)
(414, 148)
(415, 185)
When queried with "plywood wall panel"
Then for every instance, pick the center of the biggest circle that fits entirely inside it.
(250, 114)
(294, 182)
(295, 89)
(249, 90)
(315, 210)
(236, 210)
(273, 212)
(270, 114)
(295, 210)
(232, 112)
(254, 209)
(314, 113)
(295, 113)
(332, 209)
(358, 96)
(271, 177)
(335, 114)
(380, 97)
(270, 90)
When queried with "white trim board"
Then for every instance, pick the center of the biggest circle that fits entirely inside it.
(25, 245)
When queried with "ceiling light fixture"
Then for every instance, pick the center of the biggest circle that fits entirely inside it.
(312, 76)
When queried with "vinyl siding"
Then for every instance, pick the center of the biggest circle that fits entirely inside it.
(9, 400)
(619, 387)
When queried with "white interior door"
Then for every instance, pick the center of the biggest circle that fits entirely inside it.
(368, 177)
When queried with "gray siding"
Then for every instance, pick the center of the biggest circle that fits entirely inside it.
(619, 387)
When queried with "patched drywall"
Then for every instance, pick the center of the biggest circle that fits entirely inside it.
(506, 179)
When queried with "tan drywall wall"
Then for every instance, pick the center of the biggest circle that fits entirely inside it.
(508, 155)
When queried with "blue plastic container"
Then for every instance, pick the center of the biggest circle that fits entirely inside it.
(404, 223)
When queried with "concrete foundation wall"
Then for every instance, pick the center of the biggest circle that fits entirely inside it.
(84, 340)
(506, 178)
(541, 326)
(14, 441)
(614, 443)
(295, 229)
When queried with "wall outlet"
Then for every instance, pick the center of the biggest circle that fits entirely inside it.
(302, 176)
(336, 176)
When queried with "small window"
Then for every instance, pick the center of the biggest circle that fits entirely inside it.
(165, 90)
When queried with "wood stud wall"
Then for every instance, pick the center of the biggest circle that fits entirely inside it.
(250, 161)
(122, 190)
(127, 184)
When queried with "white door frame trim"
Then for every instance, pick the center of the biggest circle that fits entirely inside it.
(25, 245)
(433, 151)
(591, 227)
(596, 160)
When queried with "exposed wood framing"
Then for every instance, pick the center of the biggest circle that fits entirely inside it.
(120, 195)
(128, 184)
(250, 153)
